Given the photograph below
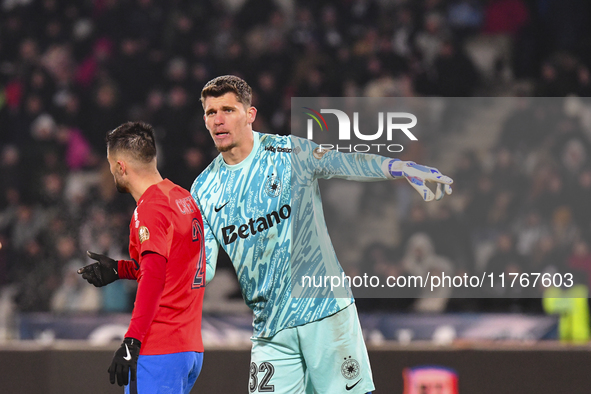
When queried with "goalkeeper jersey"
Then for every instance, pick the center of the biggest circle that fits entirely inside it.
(266, 213)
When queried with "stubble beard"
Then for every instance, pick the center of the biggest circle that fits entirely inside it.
(225, 148)
(121, 188)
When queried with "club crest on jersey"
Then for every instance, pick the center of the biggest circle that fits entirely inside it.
(319, 151)
(144, 234)
(350, 368)
(273, 186)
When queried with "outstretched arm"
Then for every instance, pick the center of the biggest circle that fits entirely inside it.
(325, 164)
(106, 270)
(417, 175)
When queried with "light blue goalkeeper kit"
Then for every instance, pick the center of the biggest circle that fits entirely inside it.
(266, 213)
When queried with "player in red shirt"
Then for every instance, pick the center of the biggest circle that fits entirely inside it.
(162, 347)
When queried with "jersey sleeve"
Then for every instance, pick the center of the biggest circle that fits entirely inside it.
(128, 269)
(154, 227)
(151, 282)
(325, 164)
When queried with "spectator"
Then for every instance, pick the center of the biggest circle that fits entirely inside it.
(455, 74)
(430, 40)
(579, 199)
(72, 295)
(530, 230)
(420, 258)
(107, 113)
(36, 282)
(580, 260)
(60, 93)
(505, 17)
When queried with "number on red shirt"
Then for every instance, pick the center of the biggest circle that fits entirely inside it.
(197, 231)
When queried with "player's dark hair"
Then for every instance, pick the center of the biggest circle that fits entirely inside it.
(228, 83)
(136, 138)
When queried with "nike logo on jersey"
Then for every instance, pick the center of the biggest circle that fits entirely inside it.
(128, 356)
(351, 387)
(217, 209)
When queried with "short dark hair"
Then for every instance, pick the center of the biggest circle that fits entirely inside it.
(136, 138)
(228, 83)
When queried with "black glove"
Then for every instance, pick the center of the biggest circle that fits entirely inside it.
(101, 273)
(124, 361)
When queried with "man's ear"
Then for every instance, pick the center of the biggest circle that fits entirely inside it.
(121, 167)
(251, 115)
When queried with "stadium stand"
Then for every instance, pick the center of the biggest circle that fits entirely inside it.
(70, 71)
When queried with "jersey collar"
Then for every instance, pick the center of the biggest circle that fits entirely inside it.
(249, 158)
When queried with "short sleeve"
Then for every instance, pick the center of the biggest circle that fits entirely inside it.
(154, 227)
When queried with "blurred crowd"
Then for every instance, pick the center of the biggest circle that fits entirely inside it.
(72, 70)
(520, 207)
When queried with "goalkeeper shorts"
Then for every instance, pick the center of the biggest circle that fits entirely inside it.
(327, 356)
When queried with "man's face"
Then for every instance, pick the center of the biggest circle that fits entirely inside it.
(117, 171)
(228, 121)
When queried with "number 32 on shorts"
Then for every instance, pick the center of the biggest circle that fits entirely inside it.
(267, 370)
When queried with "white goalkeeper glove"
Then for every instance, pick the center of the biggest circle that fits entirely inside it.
(417, 175)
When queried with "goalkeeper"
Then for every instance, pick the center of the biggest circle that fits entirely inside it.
(260, 201)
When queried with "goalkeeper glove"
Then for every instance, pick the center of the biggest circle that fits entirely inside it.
(101, 273)
(124, 362)
(417, 175)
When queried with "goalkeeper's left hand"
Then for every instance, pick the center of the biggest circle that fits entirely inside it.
(417, 175)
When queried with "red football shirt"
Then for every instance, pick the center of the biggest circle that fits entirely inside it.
(167, 221)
